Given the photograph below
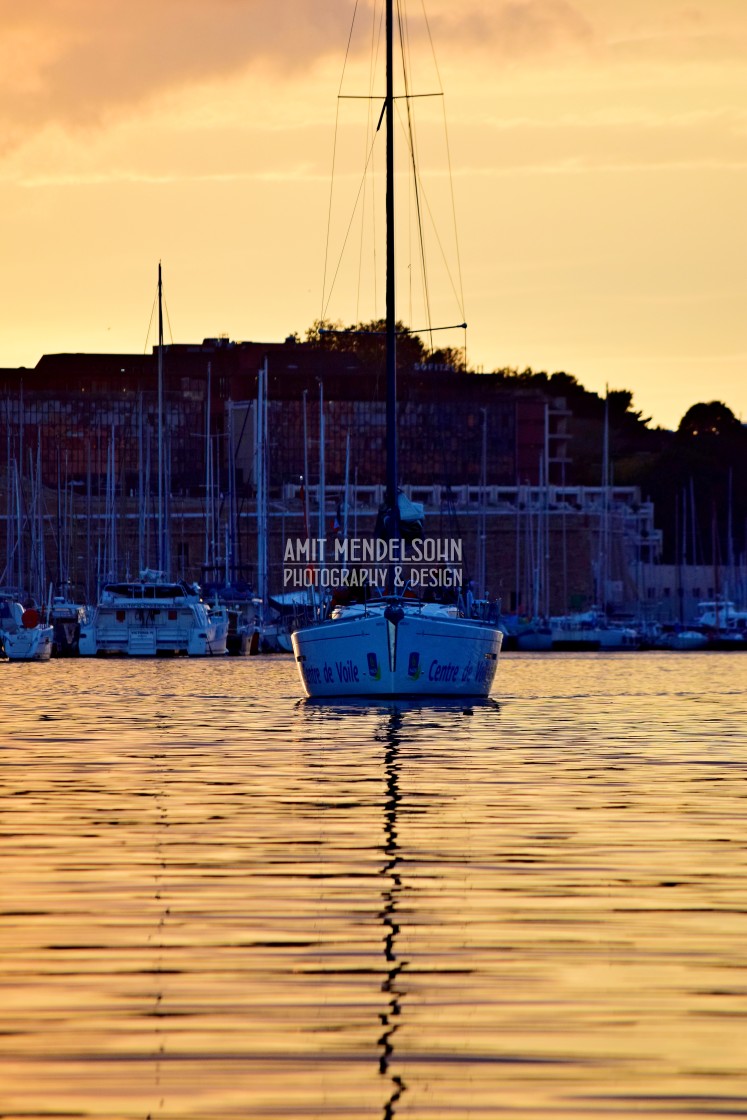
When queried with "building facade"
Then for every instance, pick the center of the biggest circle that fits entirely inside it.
(79, 438)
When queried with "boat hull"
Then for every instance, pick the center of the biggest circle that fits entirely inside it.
(104, 636)
(534, 641)
(684, 640)
(29, 645)
(416, 655)
(593, 639)
(149, 643)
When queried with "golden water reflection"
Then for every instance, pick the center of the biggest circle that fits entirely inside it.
(218, 901)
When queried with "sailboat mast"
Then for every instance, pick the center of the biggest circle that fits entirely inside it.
(208, 465)
(161, 551)
(391, 340)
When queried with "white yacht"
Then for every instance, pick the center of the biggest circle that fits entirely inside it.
(721, 614)
(151, 617)
(24, 636)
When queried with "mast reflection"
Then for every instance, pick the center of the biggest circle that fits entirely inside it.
(391, 735)
(399, 723)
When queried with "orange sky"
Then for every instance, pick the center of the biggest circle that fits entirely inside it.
(599, 151)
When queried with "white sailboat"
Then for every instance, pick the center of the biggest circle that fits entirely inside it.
(24, 635)
(395, 646)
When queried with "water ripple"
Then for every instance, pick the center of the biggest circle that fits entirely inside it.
(222, 901)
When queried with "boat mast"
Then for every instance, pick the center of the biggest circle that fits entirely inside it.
(140, 488)
(161, 549)
(208, 465)
(391, 340)
(260, 445)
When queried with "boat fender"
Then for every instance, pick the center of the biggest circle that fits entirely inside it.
(30, 619)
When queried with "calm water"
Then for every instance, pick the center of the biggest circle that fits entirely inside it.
(219, 901)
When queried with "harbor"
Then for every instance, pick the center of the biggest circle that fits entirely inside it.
(206, 463)
(372, 739)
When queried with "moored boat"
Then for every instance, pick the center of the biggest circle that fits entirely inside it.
(395, 646)
(230, 587)
(65, 618)
(534, 637)
(153, 617)
(724, 625)
(24, 635)
(589, 631)
(682, 640)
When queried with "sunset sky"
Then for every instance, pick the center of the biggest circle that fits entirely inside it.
(598, 150)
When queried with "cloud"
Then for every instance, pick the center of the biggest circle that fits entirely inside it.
(83, 63)
(76, 62)
(518, 27)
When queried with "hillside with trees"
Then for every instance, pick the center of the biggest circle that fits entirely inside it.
(696, 476)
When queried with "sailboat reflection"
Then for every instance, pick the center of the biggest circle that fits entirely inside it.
(402, 727)
(390, 734)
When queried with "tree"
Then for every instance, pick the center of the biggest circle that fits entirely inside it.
(709, 420)
(366, 341)
(703, 469)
